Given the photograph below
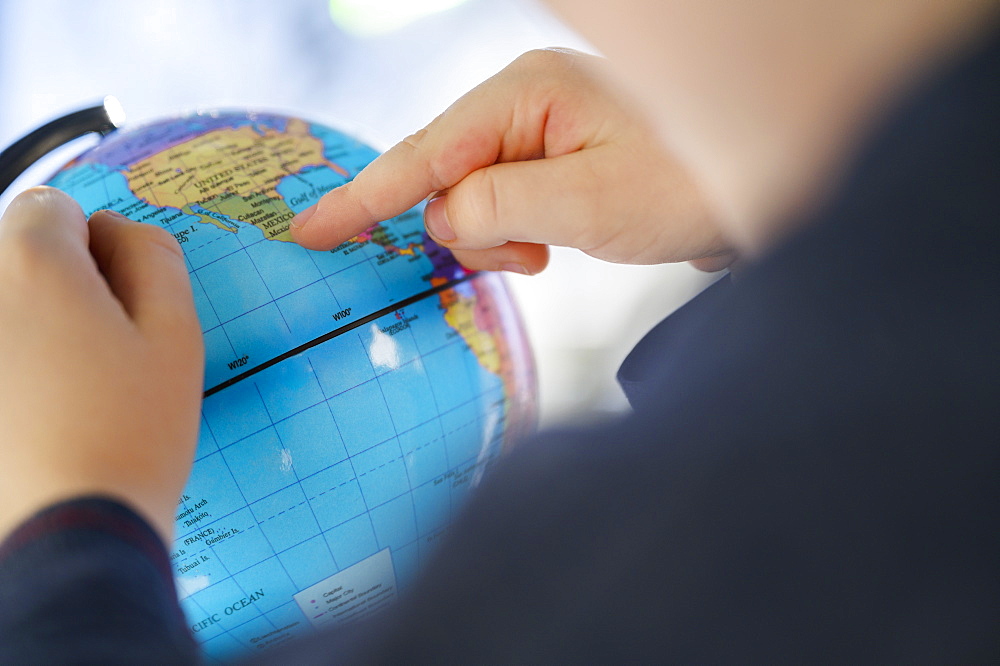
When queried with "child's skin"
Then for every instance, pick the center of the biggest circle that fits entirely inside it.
(739, 117)
(102, 360)
(544, 153)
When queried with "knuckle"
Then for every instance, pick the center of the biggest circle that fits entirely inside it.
(436, 169)
(541, 57)
(476, 216)
(354, 192)
(434, 163)
(548, 60)
(415, 139)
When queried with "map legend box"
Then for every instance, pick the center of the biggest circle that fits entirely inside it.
(354, 593)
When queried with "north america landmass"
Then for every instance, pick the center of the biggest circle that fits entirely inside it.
(227, 172)
(232, 174)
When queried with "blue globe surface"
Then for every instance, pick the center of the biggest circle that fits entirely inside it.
(353, 398)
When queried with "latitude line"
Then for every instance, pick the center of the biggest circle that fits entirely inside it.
(346, 328)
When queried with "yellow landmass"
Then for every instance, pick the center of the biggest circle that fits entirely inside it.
(231, 174)
(460, 315)
(475, 318)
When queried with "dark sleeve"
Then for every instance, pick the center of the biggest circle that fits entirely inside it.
(89, 581)
(637, 374)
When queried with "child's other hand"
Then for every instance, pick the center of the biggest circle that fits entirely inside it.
(101, 359)
(543, 153)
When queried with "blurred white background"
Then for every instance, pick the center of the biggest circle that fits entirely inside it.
(381, 68)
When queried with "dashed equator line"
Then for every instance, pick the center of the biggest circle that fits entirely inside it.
(261, 522)
(346, 328)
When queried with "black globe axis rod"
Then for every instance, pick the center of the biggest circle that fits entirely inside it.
(16, 158)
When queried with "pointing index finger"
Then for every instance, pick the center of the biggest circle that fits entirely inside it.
(495, 122)
(394, 182)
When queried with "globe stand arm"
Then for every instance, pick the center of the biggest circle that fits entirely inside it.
(16, 158)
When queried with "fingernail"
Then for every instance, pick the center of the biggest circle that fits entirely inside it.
(113, 213)
(302, 218)
(514, 268)
(436, 220)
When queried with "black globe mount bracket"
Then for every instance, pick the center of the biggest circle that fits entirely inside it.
(20, 155)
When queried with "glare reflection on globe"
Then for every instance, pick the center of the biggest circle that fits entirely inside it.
(353, 398)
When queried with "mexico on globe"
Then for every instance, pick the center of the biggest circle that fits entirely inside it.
(353, 398)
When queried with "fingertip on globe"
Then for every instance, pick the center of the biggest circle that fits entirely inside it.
(42, 195)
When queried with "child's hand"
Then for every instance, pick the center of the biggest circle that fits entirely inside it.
(100, 361)
(541, 154)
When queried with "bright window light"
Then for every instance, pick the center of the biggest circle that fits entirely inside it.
(372, 17)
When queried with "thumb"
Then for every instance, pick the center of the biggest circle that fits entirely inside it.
(556, 201)
(48, 220)
(145, 270)
(43, 250)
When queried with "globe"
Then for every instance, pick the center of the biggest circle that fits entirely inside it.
(353, 398)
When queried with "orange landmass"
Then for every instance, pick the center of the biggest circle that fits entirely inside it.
(231, 174)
